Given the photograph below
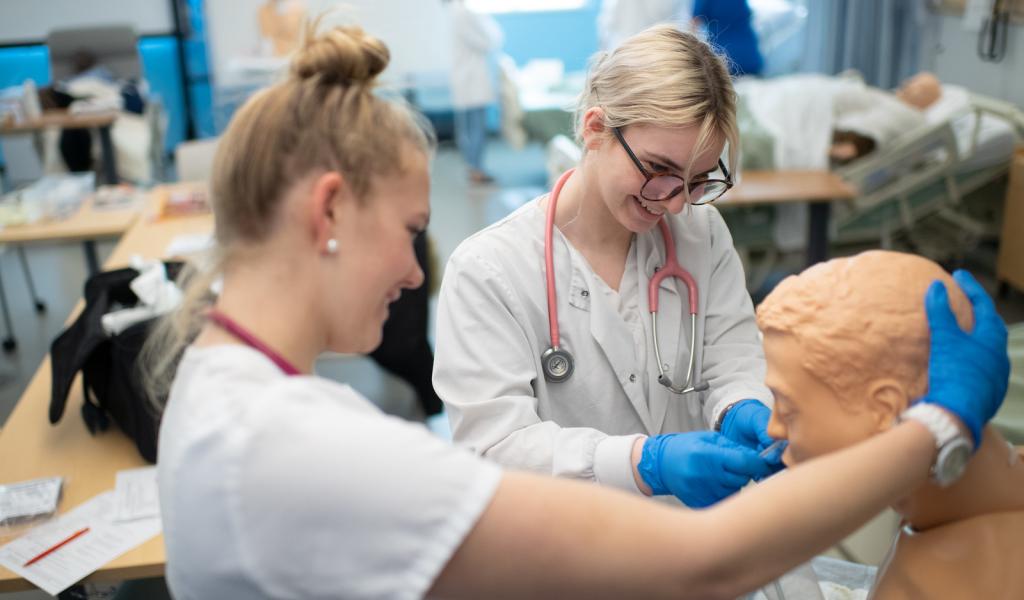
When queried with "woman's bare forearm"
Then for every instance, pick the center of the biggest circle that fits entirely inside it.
(543, 537)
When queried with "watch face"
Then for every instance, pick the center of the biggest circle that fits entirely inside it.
(952, 461)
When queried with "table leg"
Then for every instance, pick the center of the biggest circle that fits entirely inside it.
(92, 262)
(109, 159)
(9, 343)
(817, 232)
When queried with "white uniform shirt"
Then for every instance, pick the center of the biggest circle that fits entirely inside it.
(297, 487)
(492, 327)
(475, 37)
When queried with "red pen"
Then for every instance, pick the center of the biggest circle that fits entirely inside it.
(57, 546)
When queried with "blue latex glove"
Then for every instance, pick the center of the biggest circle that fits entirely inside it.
(698, 467)
(746, 423)
(968, 373)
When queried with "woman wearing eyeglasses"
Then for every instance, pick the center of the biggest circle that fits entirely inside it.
(555, 353)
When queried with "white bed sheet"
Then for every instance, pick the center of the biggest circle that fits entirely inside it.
(996, 137)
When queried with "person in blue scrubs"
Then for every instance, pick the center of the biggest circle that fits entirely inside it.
(729, 26)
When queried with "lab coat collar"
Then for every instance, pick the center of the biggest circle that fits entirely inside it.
(609, 330)
(587, 294)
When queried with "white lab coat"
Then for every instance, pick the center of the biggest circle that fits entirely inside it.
(492, 327)
(475, 36)
(621, 19)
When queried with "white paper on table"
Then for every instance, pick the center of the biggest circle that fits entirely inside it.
(136, 495)
(105, 541)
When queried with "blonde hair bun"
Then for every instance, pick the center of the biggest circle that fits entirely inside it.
(344, 54)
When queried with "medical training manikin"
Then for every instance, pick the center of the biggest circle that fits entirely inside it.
(847, 349)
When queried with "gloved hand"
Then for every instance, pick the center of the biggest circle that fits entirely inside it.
(698, 467)
(968, 373)
(746, 423)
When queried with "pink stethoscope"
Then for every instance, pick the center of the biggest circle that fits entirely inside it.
(558, 364)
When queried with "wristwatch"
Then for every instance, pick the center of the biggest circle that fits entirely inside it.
(954, 447)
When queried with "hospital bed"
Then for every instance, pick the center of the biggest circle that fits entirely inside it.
(937, 188)
(929, 172)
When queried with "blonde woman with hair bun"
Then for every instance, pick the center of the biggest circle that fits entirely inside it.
(276, 483)
(657, 122)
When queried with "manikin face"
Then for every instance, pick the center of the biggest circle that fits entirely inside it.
(376, 260)
(808, 413)
(920, 91)
(661, 150)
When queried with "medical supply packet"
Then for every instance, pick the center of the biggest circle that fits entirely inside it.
(26, 500)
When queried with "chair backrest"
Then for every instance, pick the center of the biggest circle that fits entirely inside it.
(114, 46)
(194, 159)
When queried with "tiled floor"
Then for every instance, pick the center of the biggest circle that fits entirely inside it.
(457, 211)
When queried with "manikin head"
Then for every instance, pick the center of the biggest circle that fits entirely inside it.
(920, 91)
(846, 344)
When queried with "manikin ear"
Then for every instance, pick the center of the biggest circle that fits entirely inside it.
(886, 400)
(330, 196)
(594, 132)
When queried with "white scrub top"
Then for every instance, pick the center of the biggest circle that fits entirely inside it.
(492, 327)
(297, 487)
(476, 35)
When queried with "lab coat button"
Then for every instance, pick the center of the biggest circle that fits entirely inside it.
(584, 293)
(632, 377)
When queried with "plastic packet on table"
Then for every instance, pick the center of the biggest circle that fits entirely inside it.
(25, 501)
(58, 196)
(116, 197)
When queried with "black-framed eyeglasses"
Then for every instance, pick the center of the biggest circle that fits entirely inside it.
(662, 186)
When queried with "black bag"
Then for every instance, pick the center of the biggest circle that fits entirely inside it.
(111, 379)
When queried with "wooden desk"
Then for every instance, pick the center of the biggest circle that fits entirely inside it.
(88, 224)
(101, 122)
(816, 188)
(32, 448)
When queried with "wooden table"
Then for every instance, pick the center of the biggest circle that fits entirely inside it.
(63, 119)
(816, 188)
(87, 225)
(32, 448)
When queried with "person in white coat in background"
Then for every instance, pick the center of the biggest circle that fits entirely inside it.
(474, 36)
(654, 121)
(622, 19)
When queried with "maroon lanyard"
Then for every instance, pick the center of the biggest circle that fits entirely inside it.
(250, 340)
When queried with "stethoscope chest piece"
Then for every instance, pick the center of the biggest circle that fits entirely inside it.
(557, 364)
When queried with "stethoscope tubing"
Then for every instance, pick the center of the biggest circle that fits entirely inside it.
(549, 259)
(671, 268)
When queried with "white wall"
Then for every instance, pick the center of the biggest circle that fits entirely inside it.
(416, 31)
(951, 53)
(27, 21)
